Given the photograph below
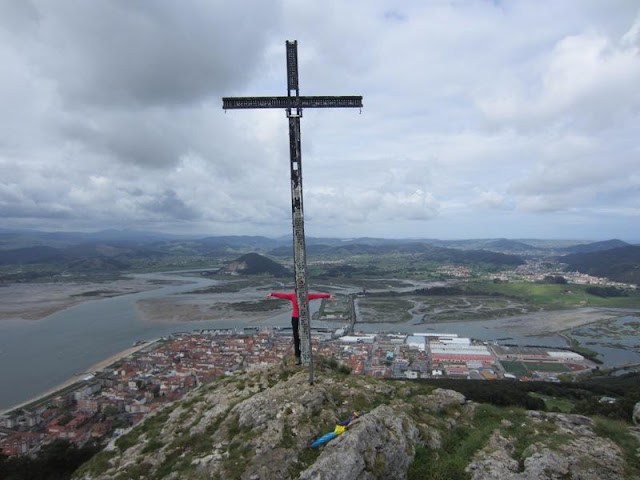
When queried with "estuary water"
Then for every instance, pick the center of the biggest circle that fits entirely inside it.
(36, 356)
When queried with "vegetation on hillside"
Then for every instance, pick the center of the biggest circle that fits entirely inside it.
(619, 264)
(255, 264)
(583, 396)
(56, 461)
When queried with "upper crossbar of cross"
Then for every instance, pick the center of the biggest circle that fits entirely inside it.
(293, 100)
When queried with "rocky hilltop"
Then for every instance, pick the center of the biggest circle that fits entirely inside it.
(259, 425)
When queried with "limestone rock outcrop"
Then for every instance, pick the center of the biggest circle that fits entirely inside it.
(379, 445)
(258, 425)
(563, 446)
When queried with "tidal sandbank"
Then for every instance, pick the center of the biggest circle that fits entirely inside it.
(35, 301)
(556, 321)
(174, 309)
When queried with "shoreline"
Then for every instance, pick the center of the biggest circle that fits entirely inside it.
(32, 302)
(80, 376)
(560, 321)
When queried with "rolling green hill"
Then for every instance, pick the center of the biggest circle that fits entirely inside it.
(619, 264)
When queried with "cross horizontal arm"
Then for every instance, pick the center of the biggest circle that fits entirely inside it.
(291, 102)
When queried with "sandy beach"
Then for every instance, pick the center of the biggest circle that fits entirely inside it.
(76, 378)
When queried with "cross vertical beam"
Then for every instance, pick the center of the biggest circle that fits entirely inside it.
(297, 211)
(294, 103)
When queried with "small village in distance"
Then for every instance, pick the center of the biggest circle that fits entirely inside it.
(106, 403)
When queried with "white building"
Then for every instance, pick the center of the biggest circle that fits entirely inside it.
(416, 341)
(436, 335)
(358, 339)
(562, 355)
(455, 341)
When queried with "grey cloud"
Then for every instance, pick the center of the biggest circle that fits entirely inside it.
(19, 16)
(150, 53)
(140, 138)
(168, 204)
(16, 203)
(112, 115)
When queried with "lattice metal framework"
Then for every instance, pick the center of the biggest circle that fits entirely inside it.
(293, 101)
(230, 103)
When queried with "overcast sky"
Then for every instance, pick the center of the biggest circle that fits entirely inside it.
(481, 119)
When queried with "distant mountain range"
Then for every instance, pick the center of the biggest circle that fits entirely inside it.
(116, 250)
(422, 252)
(14, 239)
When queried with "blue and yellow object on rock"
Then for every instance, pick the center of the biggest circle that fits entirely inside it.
(339, 430)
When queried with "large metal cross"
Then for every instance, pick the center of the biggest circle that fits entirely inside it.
(294, 103)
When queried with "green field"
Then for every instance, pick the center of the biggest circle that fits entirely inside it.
(552, 296)
(517, 368)
(555, 404)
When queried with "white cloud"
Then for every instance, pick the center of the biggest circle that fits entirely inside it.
(490, 200)
(587, 81)
(525, 111)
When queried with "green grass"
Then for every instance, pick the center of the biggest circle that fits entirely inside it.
(305, 459)
(618, 432)
(555, 404)
(458, 447)
(517, 368)
(552, 296)
(98, 464)
(128, 440)
(525, 368)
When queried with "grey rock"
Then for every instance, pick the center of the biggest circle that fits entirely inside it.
(585, 456)
(252, 427)
(636, 414)
(380, 445)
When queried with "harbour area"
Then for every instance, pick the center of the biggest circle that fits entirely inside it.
(121, 391)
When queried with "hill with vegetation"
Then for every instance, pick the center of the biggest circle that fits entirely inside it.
(254, 264)
(405, 254)
(595, 246)
(620, 264)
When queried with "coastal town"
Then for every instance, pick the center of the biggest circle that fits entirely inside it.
(109, 401)
(535, 271)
